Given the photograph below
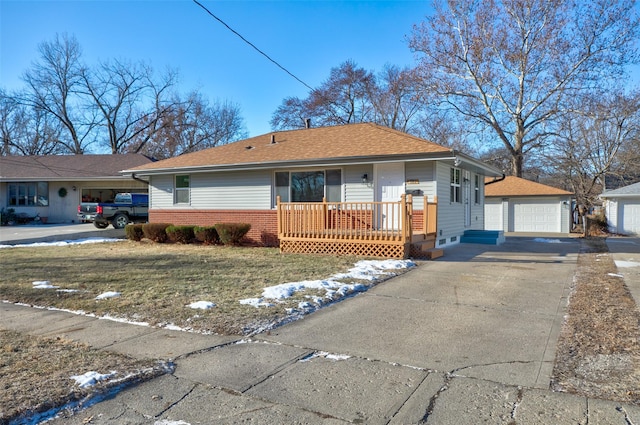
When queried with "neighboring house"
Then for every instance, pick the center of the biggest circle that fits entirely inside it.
(355, 165)
(622, 208)
(52, 186)
(519, 205)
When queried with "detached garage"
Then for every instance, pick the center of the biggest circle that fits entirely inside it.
(519, 205)
(622, 207)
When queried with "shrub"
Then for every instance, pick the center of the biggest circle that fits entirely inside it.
(232, 233)
(7, 216)
(156, 232)
(180, 234)
(208, 235)
(134, 232)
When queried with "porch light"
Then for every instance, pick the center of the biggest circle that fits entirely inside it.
(365, 178)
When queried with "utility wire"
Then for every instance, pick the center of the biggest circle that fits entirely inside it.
(252, 45)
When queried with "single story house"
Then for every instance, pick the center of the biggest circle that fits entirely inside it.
(321, 174)
(519, 205)
(52, 186)
(622, 208)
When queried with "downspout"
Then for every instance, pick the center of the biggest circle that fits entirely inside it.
(133, 176)
(496, 180)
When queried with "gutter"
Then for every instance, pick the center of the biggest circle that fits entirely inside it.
(136, 178)
(496, 180)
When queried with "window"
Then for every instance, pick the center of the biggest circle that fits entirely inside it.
(28, 194)
(309, 186)
(476, 187)
(455, 185)
(182, 189)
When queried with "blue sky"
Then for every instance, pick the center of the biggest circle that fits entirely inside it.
(306, 37)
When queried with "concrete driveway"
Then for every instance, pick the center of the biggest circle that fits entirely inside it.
(32, 233)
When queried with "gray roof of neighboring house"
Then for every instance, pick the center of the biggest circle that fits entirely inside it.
(631, 190)
(68, 167)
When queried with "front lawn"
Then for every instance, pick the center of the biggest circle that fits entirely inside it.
(157, 282)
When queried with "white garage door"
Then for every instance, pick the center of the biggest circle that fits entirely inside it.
(630, 217)
(493, 215)
(536, 216)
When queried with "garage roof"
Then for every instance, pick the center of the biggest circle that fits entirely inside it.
(516, 186)
(631, 190)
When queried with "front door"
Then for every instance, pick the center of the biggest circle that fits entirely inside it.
(466, 188)
(389, 188)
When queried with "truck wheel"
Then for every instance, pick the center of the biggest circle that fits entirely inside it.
(120, 220)
(100, 225)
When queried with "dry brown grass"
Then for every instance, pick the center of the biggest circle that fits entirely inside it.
(35, 373)
(158, 281)
(598, 352)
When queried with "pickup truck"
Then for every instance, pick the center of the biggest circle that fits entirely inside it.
(126, 208)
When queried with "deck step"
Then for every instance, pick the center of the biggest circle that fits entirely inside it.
(434, 253)
(487, 237)
(425, 251)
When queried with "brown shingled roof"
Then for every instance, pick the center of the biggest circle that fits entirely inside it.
(65, 167)
(515, 186)
(322, 143)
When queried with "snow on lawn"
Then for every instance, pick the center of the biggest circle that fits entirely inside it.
(201, 305)
(109, 294)
(43, 284)
(89, 379)
(63, 243)
(368, 270)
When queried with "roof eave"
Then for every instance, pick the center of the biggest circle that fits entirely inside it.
(428, 156)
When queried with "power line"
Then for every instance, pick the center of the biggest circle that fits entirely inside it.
(252, 45)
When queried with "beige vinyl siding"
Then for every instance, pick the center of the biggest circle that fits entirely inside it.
(354, 189)
(420, 177)
(450, 215)
(241, 190)
(161, 191)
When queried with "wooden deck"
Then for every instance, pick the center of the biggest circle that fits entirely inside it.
(370, 229)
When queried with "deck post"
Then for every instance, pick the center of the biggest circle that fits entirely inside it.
(279, 216)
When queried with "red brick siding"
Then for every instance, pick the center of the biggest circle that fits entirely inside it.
(417, 220)
(264, 225)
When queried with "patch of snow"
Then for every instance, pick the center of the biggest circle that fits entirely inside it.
(202, 305)
(324, 354)
(625, 264)
(68, 290)
(43, 284)
(615, 275)
(256, 302)
(369, 270)
(169, 422)
(64, 243)
(172, 327)
(89, 379)
(108, 294)
(543, 240)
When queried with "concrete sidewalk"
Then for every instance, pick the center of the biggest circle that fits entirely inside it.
(467, 339)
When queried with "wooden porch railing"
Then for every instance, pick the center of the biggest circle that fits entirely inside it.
(358, 228)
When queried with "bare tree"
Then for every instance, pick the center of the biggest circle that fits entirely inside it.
(11, 122)
(342, 99)
(54, 86)
(396, 99)
(26, 130)
(600, 139)
(511, 65)
(194, 124)
(128, 100)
